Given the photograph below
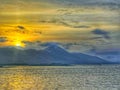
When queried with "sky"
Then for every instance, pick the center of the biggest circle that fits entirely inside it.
(76, 25)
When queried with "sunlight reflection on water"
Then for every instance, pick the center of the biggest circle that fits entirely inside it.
(19, 80)
(60, 78)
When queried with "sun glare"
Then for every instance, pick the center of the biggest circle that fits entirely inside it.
(18, 44)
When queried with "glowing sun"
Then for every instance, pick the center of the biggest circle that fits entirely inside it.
(18, 44)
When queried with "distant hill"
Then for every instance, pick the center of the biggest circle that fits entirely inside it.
(52, 55)
(112, 55)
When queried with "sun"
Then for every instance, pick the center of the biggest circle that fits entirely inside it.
(18, 44)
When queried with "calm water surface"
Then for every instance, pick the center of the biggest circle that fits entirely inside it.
(88, 77)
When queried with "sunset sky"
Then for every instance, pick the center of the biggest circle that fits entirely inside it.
(76, 25)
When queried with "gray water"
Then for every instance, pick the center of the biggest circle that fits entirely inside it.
(83, 77)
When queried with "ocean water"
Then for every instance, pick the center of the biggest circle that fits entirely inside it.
(82, 77)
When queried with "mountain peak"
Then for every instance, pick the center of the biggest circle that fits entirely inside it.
(53, 47)
(52, 54)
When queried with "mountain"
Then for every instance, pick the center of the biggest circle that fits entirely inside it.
(52, 54)
(87, 59)
(112, 55)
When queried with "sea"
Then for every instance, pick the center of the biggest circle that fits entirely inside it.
(75, 77)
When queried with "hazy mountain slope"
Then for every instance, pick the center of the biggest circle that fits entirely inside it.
(51, 54)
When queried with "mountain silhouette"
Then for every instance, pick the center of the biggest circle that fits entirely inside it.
(52, 54)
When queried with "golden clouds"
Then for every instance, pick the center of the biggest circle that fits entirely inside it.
(17, 34)
(17, 7)
(39, 20)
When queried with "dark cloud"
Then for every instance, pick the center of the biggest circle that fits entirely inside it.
(27, 42)
(84, 26)
(38, 32)
(3, 39)
(65, 23)
(21, 27)
(105, 34)
(100, 32)
(93, 38)
(73, 26)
